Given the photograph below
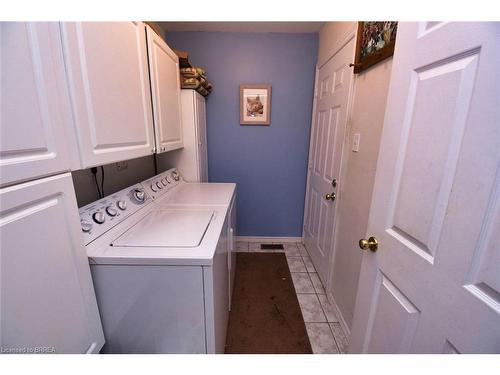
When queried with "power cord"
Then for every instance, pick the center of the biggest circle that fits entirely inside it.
(102, 181)
(94, 172)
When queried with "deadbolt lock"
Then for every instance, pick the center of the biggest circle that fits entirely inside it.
(330, 197)
(368, 244)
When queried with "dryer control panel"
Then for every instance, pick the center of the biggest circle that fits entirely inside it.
(102, 215)
(158, 185)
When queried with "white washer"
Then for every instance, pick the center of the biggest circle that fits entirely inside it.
(196, 194)
(160, 272)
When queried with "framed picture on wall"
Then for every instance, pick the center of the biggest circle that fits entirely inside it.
(255, 104)
(375, 42)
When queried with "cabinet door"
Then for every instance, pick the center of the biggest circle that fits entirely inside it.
(201, 132)
(34, 104)
(107, 71)
(47, 296)
(165, 86)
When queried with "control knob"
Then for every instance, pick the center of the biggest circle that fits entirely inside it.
(160, 186)
(139, 195)
(154, 188)
(164, 181)
(175, 175)
(86, 225)
(99, 217)
(111, 210)
(122, 205)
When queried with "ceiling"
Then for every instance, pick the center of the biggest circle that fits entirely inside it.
(256, 27)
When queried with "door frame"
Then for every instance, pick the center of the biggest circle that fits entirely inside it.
(352, 34)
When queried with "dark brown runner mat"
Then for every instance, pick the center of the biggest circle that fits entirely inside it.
(265, 317)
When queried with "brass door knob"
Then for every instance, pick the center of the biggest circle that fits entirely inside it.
(330, 197)
(368, 244)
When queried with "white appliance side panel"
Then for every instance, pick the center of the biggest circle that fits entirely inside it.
(107, 73)
(47, 296)
(166, 90)
(216, 296)
(35, 110)
(232, 247)
(151, 309)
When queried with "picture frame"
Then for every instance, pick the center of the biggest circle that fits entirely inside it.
(255, 104)
(375, 42)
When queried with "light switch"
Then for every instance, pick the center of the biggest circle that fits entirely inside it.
(355, 142)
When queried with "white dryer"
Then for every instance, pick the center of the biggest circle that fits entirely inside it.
(160, 272)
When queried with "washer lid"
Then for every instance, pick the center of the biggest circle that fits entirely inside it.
(167, 228)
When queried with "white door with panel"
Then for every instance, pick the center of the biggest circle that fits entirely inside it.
(433, 286)
(333, 88)
(35, 112)
(107, 73)
(166, 90)
(47, 296)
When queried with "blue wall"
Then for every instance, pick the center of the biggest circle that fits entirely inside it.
(269, 163)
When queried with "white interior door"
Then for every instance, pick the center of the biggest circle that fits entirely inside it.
(166, 90)
(107, 70)
(47, 298)
(333, 87)
(433, 286)
(34, 106)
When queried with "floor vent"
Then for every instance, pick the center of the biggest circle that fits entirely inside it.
(271, 246)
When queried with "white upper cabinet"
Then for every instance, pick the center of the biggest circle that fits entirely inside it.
(34, 107)
(107, 72)
(165, 87)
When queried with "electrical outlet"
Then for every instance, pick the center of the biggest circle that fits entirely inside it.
(122, 165)
(355, 142)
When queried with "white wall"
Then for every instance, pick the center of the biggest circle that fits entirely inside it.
(366, 117)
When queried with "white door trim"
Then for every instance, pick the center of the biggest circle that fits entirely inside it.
(309, 161)
(338, 312)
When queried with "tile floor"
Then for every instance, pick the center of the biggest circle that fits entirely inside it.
(323, 327)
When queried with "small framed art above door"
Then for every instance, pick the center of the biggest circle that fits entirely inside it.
(375, 42)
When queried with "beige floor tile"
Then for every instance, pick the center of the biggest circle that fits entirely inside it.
(318, 286)
(311, 308)
(321, 338)
(331, 316)
(309, 264)
(291, 250)
(340, 338)
(295, 264)
(302, 249)
(302, 282)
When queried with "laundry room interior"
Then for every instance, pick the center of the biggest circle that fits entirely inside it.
(208, 187)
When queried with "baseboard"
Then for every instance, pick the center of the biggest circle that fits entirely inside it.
(267, 239)
(342, 322)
